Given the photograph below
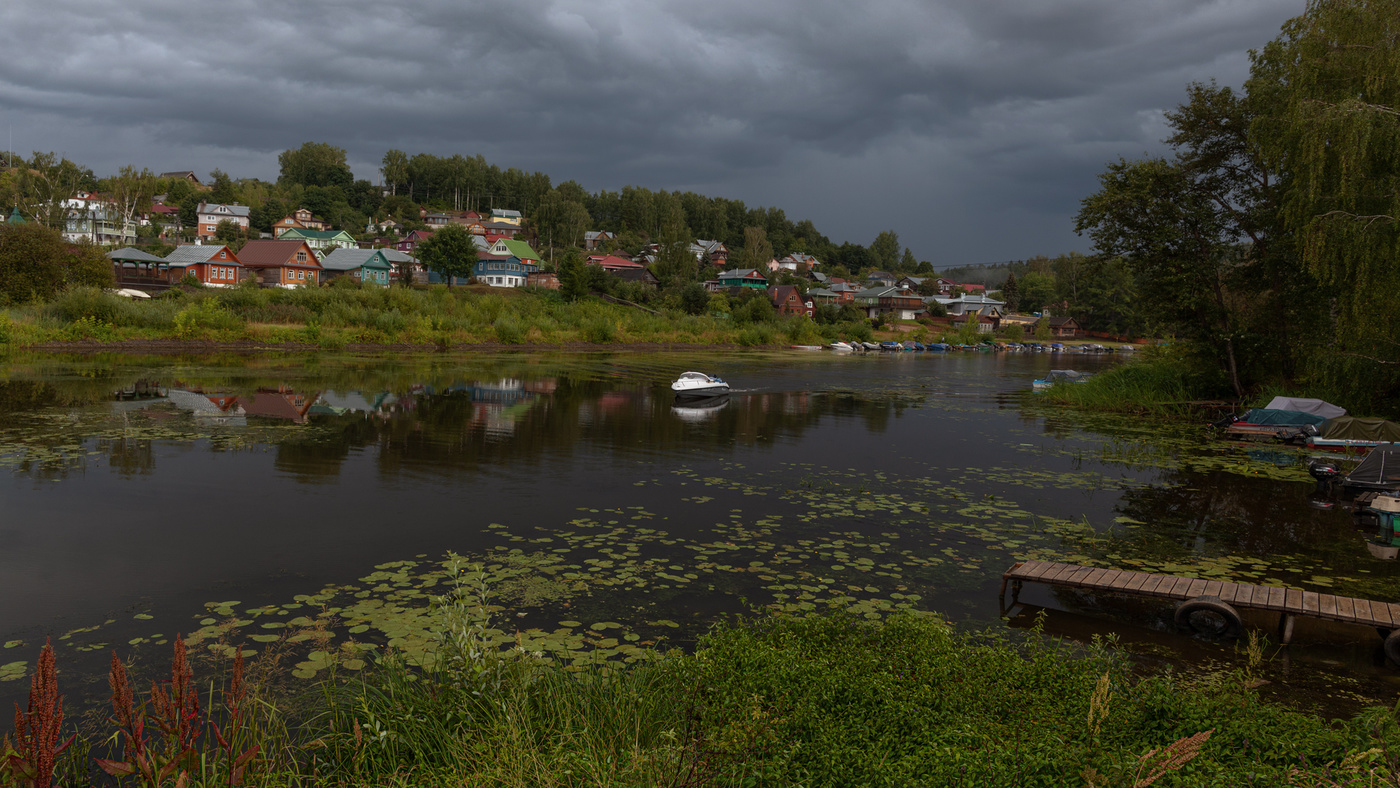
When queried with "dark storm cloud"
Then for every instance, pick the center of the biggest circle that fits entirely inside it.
(971, 128)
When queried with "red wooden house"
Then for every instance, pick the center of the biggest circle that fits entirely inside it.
(214, 265)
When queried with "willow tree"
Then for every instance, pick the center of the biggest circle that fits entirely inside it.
(1332, 79)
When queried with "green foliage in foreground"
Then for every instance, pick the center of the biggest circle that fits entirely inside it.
(350, 313)
(828, 700)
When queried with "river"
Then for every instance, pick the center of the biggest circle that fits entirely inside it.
(145, 496)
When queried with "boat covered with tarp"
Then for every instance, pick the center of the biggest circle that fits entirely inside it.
(1316, 407)
(1380, 470)
(1346, 431)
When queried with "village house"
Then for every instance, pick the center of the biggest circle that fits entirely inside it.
(985, 323)
(879, 278)
(971, 303)
(845, 292)
(797, 262)
(904, 303)
(505, 216)
(639, 274)
(596, 238)
(209, 214)
(213, 265)
(365, 265)
(711, 252)
(94, 219)
(323, 241)
(742, 277)
(1060, 327)
(187, 176)
(520, 249)
(503, 270)
(820, 295)
(788, 300)
(300, 219)
(280, 263)
(612, 263)
(410, 242)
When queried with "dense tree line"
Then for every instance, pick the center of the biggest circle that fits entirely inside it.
(1269, 239)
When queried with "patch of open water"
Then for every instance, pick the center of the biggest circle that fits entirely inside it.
(143, 497)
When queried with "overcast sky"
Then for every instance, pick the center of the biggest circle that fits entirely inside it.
(971, 127)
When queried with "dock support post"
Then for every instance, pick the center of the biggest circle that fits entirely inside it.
(1285, 628)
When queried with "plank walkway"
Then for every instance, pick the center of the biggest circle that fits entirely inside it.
(1288, 602)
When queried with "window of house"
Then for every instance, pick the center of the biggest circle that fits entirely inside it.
(301, 257)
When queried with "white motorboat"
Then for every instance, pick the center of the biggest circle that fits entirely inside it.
(698, 384)
(840, 347)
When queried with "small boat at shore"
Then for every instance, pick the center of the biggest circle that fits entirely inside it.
(804, 347)
(698, 384)
(841, 347)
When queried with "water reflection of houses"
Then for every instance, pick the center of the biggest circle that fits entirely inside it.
(282, 402)
(335, 403)
(210, 408)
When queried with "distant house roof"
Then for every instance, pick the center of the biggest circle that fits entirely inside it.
(612, 262)
(395, 256)
(349, 259)
(15, 217)
(742, 273)
(127, 253)
(504, 213)
(193, 254)
(821, 292)
(638, 274)
(520, 249)
(593, 235)
(186, 174)
(232, 210)
(320, 235)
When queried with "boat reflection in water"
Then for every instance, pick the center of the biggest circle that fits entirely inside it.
(697, 409)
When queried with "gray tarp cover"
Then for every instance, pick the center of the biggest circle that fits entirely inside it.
(1282, 417)
(1353, 429)
(1324, 409)
(1381, 467)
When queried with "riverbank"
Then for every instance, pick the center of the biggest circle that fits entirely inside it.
(829, 699)
(341, 317)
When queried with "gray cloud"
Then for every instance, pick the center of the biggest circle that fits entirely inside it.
(971, 128)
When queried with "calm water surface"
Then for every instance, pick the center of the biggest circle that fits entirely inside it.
(143, 497)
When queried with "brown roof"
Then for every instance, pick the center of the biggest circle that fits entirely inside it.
(264, 252)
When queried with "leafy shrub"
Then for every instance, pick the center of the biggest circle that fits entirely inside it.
(205, 314)
(599, 330)
(508, 331)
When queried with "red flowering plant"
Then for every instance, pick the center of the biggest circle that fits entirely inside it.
(29, 760)
(172, 753)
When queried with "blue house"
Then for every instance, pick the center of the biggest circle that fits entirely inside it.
(503, 270)
(367, 265)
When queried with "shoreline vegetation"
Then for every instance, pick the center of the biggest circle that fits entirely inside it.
(338, 317)
(827, 699)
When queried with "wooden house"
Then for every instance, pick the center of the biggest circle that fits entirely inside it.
(213, 265)
(281, 263)
(788, 300)
(365, 265)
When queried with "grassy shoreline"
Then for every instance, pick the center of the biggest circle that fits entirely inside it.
(829, 699)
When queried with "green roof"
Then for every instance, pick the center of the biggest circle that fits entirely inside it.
(323, 235)
(15, 217)
(521, 249)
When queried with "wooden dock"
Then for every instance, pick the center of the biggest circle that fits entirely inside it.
(1287, 602)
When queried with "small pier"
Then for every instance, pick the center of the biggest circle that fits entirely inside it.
(1218, 597)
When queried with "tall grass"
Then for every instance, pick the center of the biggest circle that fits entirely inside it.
(1156, 382)
(335, 316)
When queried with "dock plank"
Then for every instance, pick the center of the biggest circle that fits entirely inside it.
(1135, 582)
(1275, 599)
(1327, 605)
(1195, 588)
(1345, 611)
(1096, 578)
(1212, 588)
(1293, 599)
(1309, 602)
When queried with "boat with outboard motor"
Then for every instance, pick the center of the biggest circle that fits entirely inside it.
(698, 384)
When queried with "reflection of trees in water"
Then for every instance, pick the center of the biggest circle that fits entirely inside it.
(129, 456)
(1224, 513)
(517, 415)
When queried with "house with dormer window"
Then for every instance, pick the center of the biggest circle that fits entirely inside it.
(281, 263)
(213, 265)
(520, 249)
(503, 270)
(323, 241)
(210, 214)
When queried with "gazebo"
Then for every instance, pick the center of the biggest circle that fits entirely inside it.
(137, 269)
